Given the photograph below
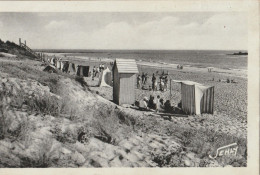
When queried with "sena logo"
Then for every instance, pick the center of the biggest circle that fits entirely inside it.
(226, 151)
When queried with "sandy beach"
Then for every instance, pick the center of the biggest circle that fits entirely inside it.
(95, 89)
(66, 104)
(230, 98)
(155, 65)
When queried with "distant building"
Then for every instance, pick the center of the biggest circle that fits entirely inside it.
(124, 80)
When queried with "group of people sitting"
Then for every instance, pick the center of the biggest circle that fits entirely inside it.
(154, 103)
(226, 81)
(157, 104)
(151, 104)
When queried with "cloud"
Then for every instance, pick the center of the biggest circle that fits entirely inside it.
(221, 31)
(169, 31)
(54, 25)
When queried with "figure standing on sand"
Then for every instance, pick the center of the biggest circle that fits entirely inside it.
(143, 78)
(94, 73)
(161, 85)
(166, 83)
(138, 81)
(153, 82)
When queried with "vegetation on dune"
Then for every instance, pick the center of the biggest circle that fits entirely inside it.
(15, 49)
(23, 71)
(57, 120)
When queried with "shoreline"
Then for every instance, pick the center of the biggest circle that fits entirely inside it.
(242, 73)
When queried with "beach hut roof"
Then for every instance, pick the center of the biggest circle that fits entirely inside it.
(126, 65)
(49, 68)
(187, 82)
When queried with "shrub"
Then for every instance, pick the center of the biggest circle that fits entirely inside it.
(44, 157)
(44, 104)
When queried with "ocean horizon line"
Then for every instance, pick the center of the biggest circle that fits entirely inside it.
(130, 50)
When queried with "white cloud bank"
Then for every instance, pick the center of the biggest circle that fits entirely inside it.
(218, 32)
(223, 31)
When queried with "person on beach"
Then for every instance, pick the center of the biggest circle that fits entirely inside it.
(94, 71)
(138, 81)
(151, 103)
(166, 83)
(153, 82)
(161, 85)
(157, 103)
(155, 85)
(167, 106)
(162, 103)
(93, 75)
(143, 78)
(143, 105)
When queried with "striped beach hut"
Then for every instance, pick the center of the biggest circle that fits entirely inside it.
(124, 80)
(196, 98)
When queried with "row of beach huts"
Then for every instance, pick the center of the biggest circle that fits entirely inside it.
(68, 67)
(195, 98)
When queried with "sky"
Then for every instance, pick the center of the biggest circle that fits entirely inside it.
(127, 30)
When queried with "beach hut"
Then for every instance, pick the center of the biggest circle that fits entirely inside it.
(72, 68)
(65, 66)
(82, 70)
(50, 69)
(58, 65)
(196, 98)
(52, 61)
(105, 78)
(124, 80)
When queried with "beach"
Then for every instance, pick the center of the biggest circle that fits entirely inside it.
(58, 107)
(127, 88)
(230, 107)
(232, 71)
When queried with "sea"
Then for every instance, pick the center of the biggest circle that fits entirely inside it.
(197, 58)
